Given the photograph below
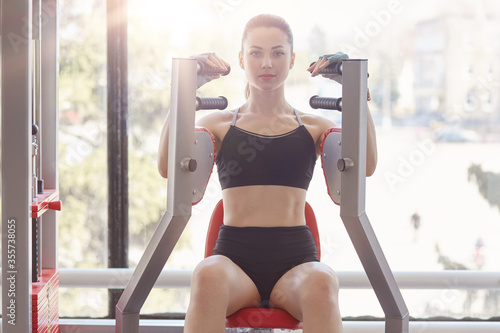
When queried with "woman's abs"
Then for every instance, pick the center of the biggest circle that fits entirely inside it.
(264, 206)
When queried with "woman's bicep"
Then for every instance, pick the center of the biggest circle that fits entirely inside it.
(324, 125)
(162, 158)
(212, 123)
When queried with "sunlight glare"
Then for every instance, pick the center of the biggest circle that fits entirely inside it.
(161, 14)
(176, 17)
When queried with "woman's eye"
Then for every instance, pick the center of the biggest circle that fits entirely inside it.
(255, 53)
(279, 53)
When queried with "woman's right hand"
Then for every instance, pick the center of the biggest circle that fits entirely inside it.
(213, 60)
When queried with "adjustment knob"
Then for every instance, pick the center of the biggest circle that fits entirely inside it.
(344, 163)
(189, 164)
(55, 205)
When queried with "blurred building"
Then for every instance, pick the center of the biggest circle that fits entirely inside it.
(457, 68)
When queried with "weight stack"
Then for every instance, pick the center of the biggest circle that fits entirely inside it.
(45, 302)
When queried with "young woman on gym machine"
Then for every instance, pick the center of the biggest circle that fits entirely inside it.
(266, 152)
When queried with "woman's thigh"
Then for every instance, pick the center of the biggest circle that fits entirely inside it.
(220, 278)
(313, 279)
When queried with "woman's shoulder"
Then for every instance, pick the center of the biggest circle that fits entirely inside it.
(215, 118)
(316, 121)
(217, 123)
(317, 127)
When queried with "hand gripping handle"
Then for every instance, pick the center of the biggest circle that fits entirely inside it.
(332, 69)
(204, 69)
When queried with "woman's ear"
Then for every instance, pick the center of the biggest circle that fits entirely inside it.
(240, 57)
(292, 60)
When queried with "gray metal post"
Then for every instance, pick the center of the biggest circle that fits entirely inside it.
(179, 197)
(50, 126)
(37, 119)
(16, 165)
(352, 208)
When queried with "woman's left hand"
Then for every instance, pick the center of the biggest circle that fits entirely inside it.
(212, 60)
(325, 61)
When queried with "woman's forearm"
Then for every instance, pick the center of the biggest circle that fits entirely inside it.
(371, 146)
(163, 148)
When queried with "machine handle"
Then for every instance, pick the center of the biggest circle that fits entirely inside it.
(209, 103)
(204, 69)
(332, 69)
(327, 103)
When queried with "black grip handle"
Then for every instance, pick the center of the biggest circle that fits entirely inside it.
(205, 69)
(335, 68)
(327, 103)
(209, 103)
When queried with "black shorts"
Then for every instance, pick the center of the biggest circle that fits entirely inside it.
(266, 254)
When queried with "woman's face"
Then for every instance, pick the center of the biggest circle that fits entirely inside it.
(266, 58)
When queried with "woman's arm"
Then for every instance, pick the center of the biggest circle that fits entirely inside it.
(371, 146)
(163, 148)
(215, 122)
(212, 60)
(371, 141)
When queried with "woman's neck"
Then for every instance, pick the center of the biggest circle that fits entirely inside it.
(267, 103)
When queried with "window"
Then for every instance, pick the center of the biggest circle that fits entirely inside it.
(424, 157)
(433, 201)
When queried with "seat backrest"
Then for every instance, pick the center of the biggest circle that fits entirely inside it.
(218, 217)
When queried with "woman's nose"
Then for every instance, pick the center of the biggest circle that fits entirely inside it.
(266, 62)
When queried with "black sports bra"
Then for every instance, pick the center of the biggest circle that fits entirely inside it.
(246, 158)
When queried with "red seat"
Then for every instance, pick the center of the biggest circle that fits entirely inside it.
(258, 317)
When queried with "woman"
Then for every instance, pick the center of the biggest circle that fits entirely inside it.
(266, 152)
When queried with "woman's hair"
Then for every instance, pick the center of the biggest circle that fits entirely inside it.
(267, 21)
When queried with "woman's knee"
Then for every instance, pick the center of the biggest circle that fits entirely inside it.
(211, 275)
(322, 284)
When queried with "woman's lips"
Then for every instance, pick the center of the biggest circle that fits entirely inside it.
(266, 76)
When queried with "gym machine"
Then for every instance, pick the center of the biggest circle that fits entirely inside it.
(345, 174)
(30, 277)
(191, 158)
(190, 162)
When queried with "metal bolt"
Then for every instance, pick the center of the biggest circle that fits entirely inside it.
(189, 164)
(344, 164)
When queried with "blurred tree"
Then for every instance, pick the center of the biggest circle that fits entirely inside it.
(82, 62)
(82, 146)
(83, 130)
(488, 184)
(82, 222)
